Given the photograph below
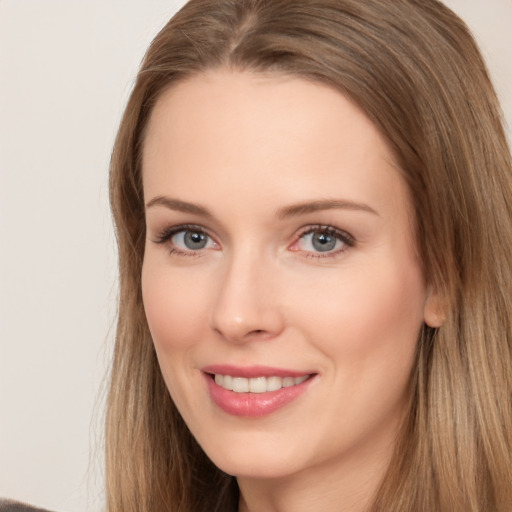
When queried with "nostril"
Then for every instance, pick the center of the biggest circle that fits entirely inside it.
(257, 333)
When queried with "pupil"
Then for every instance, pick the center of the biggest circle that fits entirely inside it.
(195, 240)
(323, 242)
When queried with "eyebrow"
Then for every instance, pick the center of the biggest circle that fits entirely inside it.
(283, 213)
(328, 204)
(180, 206)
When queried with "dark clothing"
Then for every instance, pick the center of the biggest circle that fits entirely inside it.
(16, 506)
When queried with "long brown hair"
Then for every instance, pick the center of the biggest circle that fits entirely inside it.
(413, 67)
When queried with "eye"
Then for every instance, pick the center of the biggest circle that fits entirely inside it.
(190, 240)
(321, 241)
(184, 240)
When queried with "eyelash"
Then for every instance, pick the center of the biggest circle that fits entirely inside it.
(348, 240)
(166, 235)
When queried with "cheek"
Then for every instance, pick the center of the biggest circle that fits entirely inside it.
(366, 324)
(172, 306)
(369, 316)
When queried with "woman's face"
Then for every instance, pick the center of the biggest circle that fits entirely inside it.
(279, 263)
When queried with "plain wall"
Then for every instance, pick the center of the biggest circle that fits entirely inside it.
(66, 68)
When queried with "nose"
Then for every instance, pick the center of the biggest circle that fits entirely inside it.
(247, 301)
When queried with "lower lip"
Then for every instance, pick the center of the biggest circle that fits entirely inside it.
(253, 405)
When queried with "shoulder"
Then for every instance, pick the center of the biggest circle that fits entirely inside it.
(16, 506)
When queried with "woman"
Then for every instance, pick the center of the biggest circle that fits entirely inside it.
(311, 203)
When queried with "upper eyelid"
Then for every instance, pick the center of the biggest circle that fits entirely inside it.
(166, 234)
(326, 227)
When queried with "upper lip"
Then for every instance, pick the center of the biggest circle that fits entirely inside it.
(252, 371)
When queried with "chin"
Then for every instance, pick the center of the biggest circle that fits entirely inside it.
(261, 469)
(261, 459)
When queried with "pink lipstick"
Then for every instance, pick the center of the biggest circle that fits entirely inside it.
(254, 391)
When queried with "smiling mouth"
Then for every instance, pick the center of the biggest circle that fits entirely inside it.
(257, 384)
(256, 391)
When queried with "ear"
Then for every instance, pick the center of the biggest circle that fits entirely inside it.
(434, 312)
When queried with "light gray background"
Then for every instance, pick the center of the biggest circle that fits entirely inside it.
(66, 68)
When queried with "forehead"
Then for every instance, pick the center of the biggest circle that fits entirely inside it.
(286, 137)
(257, 105)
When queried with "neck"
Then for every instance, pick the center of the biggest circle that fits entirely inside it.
(346, 485)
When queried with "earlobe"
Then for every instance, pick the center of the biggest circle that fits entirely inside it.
(434, 313)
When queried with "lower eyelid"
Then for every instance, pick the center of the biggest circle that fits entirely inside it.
(188, 254)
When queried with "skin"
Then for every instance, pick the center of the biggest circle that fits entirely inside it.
(246, 146)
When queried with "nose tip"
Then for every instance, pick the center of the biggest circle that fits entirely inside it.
(239, 329)
(239, 321)
(246, 308)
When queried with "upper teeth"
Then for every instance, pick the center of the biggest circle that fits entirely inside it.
(257, 384)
